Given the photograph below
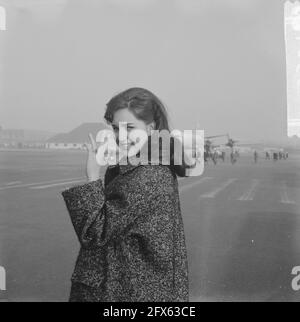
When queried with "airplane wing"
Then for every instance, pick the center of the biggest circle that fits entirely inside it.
(214, 136)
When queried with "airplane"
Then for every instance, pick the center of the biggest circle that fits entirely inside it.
(211, 150)
(217, 151)
(231, 142)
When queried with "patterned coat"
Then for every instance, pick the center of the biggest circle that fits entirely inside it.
(132, 236)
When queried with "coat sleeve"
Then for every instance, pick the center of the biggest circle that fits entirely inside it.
(98, 219)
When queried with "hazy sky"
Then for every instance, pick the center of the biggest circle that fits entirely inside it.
(218, 62)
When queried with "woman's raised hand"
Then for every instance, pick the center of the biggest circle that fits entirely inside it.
(93, 169)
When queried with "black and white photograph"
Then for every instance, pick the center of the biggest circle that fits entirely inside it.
(149, 151)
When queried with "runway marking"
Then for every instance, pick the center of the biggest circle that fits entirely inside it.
(284, 195)
(249, 194)
(214, 192)
(55, 184)
(193, 184)
(24, 185)
(13, 182)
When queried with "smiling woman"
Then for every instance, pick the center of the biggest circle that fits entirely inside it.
(129, 225)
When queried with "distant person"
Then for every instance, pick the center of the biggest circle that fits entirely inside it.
(223, 156)
(129, 225)
(255, 156)
(267, 155)
(206, 156)
(215, 157)
(232, 158)
(275, 156)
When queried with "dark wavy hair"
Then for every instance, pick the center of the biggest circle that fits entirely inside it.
(147, 107)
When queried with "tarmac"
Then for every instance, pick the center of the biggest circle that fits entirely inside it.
(242, 227)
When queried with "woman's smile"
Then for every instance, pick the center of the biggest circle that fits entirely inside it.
(125, 145)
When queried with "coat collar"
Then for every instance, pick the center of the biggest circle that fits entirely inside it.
(131, 164)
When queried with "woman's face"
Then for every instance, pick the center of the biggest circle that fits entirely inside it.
(132, 123)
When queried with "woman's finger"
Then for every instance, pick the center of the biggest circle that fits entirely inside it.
(88, 147)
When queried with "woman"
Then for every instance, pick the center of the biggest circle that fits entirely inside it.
(130, 226)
